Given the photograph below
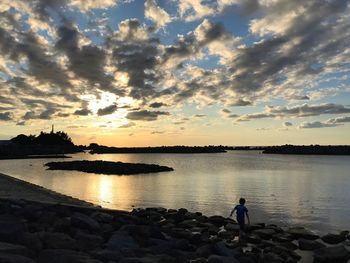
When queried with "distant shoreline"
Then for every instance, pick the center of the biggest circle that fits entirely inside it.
(33, 157)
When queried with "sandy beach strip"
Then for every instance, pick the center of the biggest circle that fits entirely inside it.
(13, 188)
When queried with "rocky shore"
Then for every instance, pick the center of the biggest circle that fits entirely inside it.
(46, 232)
(39, 225)
(104, 167)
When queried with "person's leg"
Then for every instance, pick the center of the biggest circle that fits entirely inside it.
(241, 231)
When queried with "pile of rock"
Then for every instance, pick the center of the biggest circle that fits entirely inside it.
(37, 232)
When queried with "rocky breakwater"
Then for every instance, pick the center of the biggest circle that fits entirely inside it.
(37, 232)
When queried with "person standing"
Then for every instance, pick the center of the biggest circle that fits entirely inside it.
(241, 212)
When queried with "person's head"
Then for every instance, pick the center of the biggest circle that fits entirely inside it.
(241, 201)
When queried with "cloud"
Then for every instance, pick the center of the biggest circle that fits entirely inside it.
(325, 124)
(107, 110)
(158, 15)
(157, 132)
(225, 111)
(191, 10)
(128, 125)
(287, 124)
(199, 115)
(145, 115)
(157, 104)
(303, 110)
(86, 5)
(82, 112)
(5, 116)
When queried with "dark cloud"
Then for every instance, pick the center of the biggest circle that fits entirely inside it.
(145, 115)
(157, 132)
(200, 115)
(157, 105)
(240, 102)
(82, 112)
(225, 111)
(107, 110)
(287, 124)
(5, 116)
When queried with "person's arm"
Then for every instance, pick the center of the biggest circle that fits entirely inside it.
(247, 217)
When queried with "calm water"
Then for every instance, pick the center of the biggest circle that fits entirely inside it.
(312, 191)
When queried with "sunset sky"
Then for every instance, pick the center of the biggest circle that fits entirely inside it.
(187, 72)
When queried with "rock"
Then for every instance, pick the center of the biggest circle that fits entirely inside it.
(64, 255)
(88, 241)
(221, 249)
(9, 258)
(288, 245)
(106, 255)
(121, 239)
(57, 240)
(198, 260)
(217, 220)
(331, 254)
(333, 239)
(300, 232)
(80, 220)
(232, 227)
(31, 241)
(221, 259)
(265, 233)
(205, 250)
(102, 217)
(344, 233)
(253, 239)
(305, 244)
(10, 228)
(12, 249)
(189, 223)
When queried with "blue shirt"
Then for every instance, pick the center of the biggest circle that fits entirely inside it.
(240, 211)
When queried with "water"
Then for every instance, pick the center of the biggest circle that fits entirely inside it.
(311, 191)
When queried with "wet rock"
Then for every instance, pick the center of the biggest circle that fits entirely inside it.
(57, 240)
(205, 250)
(221, 259)
(217, 220)
(80, 220)
(13, 249)
(10, 228)
(305, 244)
(9, 258)
(333, 238)
(288, 245)
(102, 217)
(106, 255)
(88, 241)
(265, 233)
(253, 239)
(331, 254)
(199, 260)
(31, 241)
(232, 227)
(300, 232)
(121, 239)
(63, 255)
(221, 249)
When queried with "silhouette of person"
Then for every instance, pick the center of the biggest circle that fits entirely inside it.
(241, 212)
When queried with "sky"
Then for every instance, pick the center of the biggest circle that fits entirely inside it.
(186, 72)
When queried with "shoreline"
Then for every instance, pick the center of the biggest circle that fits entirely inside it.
(61, 226)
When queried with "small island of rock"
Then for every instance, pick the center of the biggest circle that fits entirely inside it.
(103, 167)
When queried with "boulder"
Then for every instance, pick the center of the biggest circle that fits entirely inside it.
(331, 254)
(31, 241)
(64, 255)
(106, 255)
(13, 249)
(221, 259)
(253, 239)
(301, 232)
(80, 220)
(121, 239)
(221, 249)
(55, 240)
(9, 258)
(333, 239)
(232, 227)
(264, 233)
(305, 244)
(217, 220)
(10, 228)
(205, 250)
(88, 241)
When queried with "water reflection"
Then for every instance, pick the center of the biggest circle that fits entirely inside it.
(307, 190)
